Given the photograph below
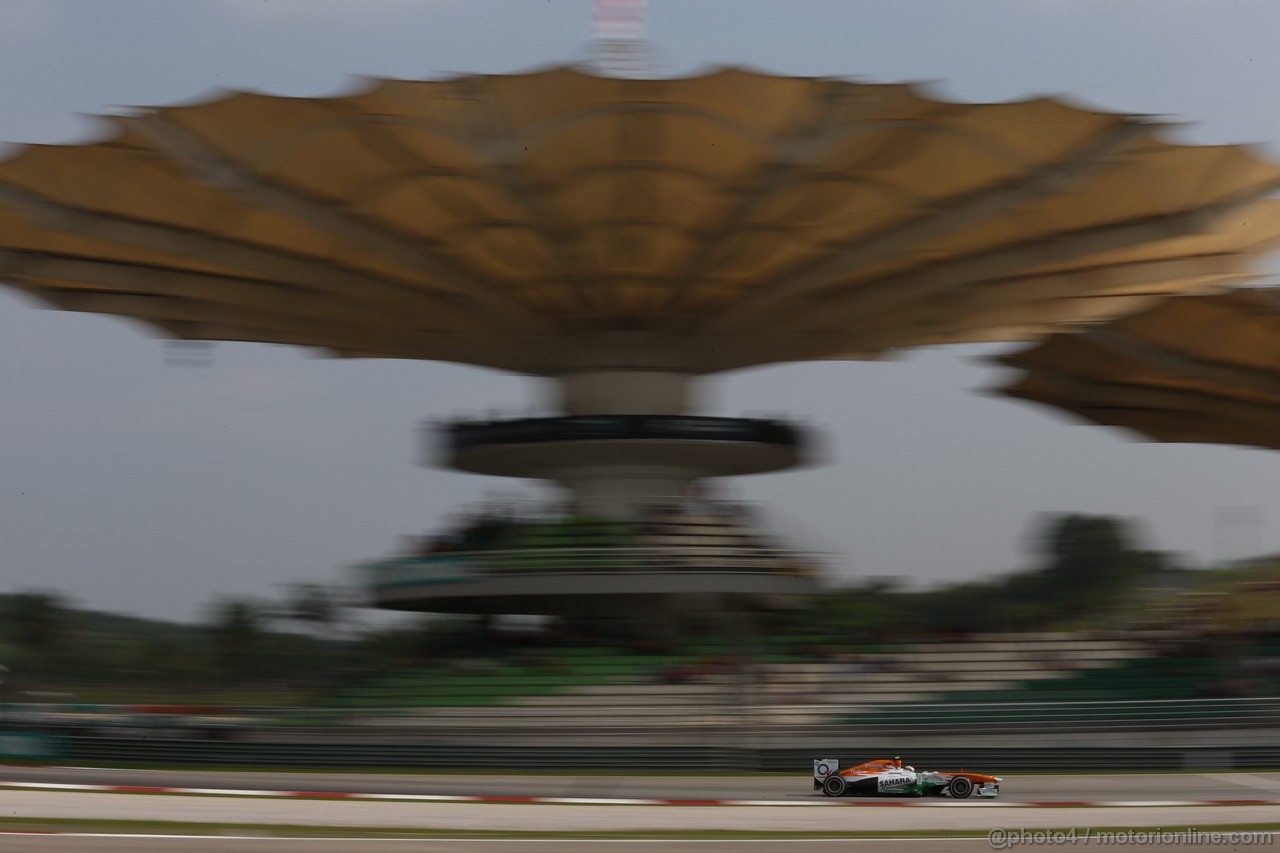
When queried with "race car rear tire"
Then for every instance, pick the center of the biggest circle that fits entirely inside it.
(960, 787)
(833, 786)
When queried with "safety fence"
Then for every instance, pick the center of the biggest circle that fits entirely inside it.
(747, 723)
(1030, 736)
(623, 758)
(679, 723)
(1036, 735)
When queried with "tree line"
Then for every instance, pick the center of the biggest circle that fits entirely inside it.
(1086, 569)
(301, 641)
(309, 640)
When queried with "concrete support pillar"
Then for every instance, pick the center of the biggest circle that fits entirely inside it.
(623, 492)
(622, 489)
(624, 392)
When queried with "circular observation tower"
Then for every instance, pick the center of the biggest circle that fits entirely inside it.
(623, 237)
(630, 537)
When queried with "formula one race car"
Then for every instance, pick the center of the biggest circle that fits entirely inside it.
(887, 777)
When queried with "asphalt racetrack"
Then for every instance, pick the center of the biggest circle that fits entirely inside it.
(929, 824)
(941, 844)
(1027, 788)
(63, 805)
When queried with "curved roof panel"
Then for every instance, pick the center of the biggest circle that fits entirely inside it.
(557, 220)
(1193, 369)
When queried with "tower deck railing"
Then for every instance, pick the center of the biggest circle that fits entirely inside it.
(472, 565)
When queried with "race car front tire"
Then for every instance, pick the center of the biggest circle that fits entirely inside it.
(833, 786)
(960, 787)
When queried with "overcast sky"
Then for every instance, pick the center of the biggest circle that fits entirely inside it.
(146, 488)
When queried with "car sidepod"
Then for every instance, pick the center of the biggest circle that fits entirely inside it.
(933, 784)
(897, 783)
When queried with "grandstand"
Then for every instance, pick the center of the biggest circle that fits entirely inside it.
(933, 671)
(1172, 636)
(718, 684)
(504, 561)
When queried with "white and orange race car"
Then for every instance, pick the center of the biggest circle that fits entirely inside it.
(889, 777)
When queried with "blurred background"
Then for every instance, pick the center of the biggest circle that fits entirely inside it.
(228, 553)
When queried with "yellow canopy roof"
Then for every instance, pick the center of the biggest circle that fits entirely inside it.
(1196, 369)
(557, 220)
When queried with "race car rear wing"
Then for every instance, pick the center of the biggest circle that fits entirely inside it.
(822, 768)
